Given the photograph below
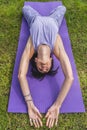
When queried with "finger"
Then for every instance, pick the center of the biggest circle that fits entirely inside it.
(48, 119)
(39, 114)
(47, 114)
(56, 121)
(37, 123)
(34, 121)
(31, 123)
(40, 122)
(52, 123)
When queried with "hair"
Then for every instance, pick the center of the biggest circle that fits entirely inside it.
(37, 74)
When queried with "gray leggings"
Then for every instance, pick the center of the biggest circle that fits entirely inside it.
(57, 13)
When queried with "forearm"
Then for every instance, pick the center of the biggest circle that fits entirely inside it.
(25, 89)
(64, 91)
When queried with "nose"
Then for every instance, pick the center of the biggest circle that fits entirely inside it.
(44, 66)
(44, 69)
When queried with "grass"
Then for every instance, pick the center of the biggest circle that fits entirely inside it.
(10, 22)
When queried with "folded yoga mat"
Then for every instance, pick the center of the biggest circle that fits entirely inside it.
(45, 92)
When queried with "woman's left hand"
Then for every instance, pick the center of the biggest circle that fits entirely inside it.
(52, 115)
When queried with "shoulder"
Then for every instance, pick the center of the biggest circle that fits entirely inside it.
(29, 48)
(59, 49)
(32, 50)
(56, 46)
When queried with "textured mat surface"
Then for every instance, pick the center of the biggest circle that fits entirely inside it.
(45, 92)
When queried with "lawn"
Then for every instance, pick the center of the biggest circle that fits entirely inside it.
(10, 23)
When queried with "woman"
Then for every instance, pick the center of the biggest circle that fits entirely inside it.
(42, 42)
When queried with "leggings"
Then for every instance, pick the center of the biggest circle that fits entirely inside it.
(57, 14)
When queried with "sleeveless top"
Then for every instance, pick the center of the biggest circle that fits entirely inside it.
(43, 31)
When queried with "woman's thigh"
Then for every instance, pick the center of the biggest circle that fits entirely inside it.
(29, 14)
(58, 14)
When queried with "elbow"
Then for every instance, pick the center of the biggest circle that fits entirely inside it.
(70, 78)
(20, 76)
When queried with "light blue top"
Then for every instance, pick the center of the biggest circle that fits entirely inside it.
(44, 29)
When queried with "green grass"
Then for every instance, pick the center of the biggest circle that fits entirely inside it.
(10, 22)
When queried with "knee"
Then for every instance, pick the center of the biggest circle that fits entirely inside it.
(62, 8)
(25, 9)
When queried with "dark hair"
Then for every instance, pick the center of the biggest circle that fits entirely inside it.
(38, 74)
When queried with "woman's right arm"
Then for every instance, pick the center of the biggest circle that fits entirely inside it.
(23, 68)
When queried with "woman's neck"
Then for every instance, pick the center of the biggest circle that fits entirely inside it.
(43, 51)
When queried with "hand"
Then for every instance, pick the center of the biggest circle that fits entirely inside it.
(52, 116)
(34, 115)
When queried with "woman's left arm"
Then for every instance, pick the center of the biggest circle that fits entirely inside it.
(53, 111)
(62, 56)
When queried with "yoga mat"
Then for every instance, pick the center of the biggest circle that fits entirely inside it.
(45, 92)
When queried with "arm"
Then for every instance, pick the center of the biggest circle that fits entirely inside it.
(53, 111)
(61, 55)
(33, 112)
(23, 68)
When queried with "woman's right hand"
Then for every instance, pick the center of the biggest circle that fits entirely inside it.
(34, 115)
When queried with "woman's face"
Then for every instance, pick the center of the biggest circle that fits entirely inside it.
(43, 66)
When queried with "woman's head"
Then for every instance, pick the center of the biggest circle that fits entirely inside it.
(40, 67)
(43, 65)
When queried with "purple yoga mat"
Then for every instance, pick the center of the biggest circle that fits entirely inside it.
(45, 92)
